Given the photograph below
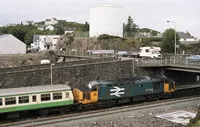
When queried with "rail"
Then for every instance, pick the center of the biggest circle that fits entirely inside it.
(52, 120)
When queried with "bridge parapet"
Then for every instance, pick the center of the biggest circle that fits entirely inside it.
(166, 61)
(83, 54)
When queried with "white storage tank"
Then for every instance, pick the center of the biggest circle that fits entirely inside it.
(106, 19)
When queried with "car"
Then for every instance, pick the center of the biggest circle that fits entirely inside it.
(134, 54)
(122, 53)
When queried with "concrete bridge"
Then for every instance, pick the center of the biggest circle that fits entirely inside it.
(182, 70)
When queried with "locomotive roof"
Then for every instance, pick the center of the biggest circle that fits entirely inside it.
(33, 89)
(134, 79)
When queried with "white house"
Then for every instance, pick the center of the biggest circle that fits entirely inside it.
(44, 42)
(27, 22)
(45, 27)
(9, 44)
(49, 27)
(186, 38)
(52, 21)
(69, 30)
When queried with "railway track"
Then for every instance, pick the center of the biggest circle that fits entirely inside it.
(97, 113)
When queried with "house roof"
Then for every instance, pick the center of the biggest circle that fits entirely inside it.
(34, 89)
(184, 35)
(50, 19)
(44, 26)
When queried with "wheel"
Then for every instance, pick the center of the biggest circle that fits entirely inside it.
(79, 107)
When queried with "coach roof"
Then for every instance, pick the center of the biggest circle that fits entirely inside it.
(33, 89)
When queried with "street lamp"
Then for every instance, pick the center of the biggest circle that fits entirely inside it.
(174, 36)
(51, 66)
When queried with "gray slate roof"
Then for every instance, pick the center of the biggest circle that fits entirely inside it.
(184, 35)
(33, 89)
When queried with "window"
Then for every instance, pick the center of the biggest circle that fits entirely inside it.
(45, 97)
(67, 94)
(86, 96)
(57, 96)
(10, 100)
(0, 101)
(147, 50)
(34, 98)
(23, 99)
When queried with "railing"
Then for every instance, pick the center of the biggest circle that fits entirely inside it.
(184, 61)
(84, 54)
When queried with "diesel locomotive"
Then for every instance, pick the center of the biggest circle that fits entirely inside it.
(124, 90)
(17, 101)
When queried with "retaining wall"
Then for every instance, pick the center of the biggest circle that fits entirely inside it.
(76, 75)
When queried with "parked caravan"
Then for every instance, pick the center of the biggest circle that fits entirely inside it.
(151, 52)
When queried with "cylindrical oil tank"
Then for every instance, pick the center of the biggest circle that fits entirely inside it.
(106, 19)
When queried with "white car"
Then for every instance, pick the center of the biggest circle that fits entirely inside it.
(122, 53)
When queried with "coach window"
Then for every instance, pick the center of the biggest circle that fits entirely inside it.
(10, 100)
(67, 94)
(45, 97)
(57, 96)
(0, 101)
(34, 98)
(23, 99)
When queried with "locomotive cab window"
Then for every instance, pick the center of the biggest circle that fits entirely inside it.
(0, 101)
(34, 98)
(57, 96)
(10, 100)
(45, 97)
(94, 88)
(171, 85)
(86, 95)
(23, 99)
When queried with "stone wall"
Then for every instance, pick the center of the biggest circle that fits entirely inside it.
(76, 75)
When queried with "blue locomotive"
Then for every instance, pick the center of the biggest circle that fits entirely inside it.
(125, 90)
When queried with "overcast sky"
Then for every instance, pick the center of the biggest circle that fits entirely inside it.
(146, 13)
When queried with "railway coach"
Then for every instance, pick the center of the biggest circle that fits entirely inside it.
(124, 90)
(16, 101)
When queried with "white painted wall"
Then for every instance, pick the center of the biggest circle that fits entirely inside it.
(11, 45)
(188, 41)
(49, 27)
(43, 39)
(51, 22)
(40, 28)
(106, 19)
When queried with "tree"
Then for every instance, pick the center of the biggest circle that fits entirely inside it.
(86, 26)
(59, 30)
(130, 27)
(168, 40)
